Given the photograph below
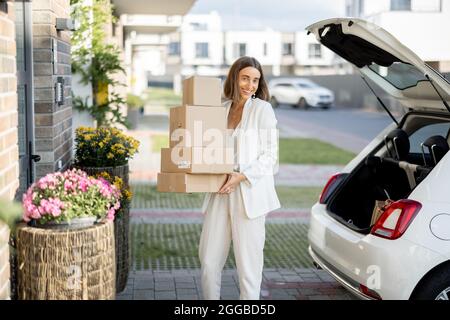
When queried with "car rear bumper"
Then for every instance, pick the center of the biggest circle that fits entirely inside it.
(391, 268)
(322, 104)
(345, 281)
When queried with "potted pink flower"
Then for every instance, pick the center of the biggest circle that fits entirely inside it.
(70, 199)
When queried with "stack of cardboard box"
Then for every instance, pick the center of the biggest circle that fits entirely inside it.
(198, 158)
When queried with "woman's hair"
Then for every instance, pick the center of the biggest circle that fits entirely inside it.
(231, 87)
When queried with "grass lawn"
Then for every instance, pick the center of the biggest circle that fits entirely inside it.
(161, 97)
(146, 196)
(159, 141)
(311, 151)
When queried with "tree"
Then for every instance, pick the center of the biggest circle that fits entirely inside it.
(97, 61)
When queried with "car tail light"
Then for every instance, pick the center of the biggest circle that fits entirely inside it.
(330, 186)
(396, 219)
(369, 292)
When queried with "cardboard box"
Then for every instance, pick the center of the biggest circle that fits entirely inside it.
(187, 183)
(197, 160)
(202, 91)
(196, 126)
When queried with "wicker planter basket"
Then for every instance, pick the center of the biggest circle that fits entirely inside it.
(121, 235)
(4, 262)
(120, 171)
(66, 264)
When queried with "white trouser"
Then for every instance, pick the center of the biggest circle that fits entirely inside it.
(225, 220)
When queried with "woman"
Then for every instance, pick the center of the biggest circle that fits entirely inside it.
(237, 212)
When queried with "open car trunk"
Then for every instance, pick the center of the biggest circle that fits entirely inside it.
(353, 203)
(379, 176)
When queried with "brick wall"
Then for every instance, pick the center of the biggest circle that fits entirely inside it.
(9, 154)
(53, 122)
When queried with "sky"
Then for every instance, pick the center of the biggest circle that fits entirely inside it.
(280, 15)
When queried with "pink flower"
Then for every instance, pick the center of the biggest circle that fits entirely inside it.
(111, 213)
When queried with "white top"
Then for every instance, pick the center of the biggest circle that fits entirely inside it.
(257, 161)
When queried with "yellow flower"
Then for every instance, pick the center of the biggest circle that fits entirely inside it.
(110, 155)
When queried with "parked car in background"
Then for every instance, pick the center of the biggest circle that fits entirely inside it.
(300, 93)
(382, 225)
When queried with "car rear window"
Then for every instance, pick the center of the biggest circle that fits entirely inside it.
(400, 75)
(423, 133)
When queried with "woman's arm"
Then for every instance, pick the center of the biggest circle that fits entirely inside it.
(266, 161)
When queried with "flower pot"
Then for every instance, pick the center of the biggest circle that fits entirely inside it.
(121, 235)
(75, 223)
(133, 117)
(66, 264)
(119, 171)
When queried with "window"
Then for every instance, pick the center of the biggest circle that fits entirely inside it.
(201, 50)
(314, 51)
(427, 6)
(265, 49)
(174, 49)
(424, 133)
(361, 7)
(284, 85)
(400, 5)
(197, 26)
(400, 75)
(239, 50)
(287, 49)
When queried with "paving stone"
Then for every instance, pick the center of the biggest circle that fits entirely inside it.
(186, 292)
(188, 297)
(165, 295)
(124, 297)
(185, 285)
(185, 279)
(144, 295)
(292, 278)
(319, 297)
(144, 284)
(166, 286)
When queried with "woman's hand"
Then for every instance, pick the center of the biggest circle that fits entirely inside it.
(232, 182)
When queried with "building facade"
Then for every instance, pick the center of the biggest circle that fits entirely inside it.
(421, 25)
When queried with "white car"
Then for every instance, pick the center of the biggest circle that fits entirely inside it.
(299, 92)
(405, 252)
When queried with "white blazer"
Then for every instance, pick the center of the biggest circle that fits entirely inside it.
(257, 140)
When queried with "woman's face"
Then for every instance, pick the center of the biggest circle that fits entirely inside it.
(248, 82)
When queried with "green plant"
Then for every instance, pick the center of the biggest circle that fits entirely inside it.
(10, 212)
(103, 147)
(96, 61)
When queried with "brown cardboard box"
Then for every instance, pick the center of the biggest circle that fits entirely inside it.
(188, 125)
(187, 183)
(197, 160)
(202, 91)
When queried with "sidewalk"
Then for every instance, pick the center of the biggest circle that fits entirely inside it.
(278, 284)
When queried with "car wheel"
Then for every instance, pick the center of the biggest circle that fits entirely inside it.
(302, 104)
(434, 287)
(274, 102)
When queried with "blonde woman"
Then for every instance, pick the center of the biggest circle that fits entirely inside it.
(237, 212)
